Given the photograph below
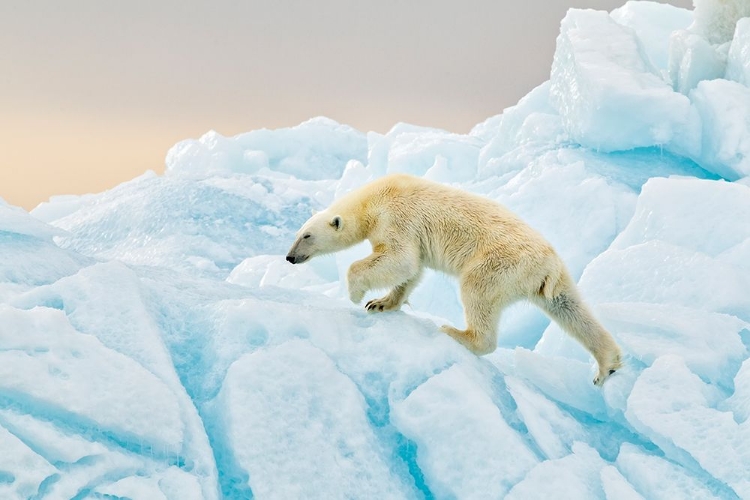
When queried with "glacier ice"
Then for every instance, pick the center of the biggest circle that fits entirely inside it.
(155, 344)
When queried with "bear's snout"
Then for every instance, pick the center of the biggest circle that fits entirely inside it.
(296, 259)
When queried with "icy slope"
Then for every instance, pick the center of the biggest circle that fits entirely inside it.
(154, 344)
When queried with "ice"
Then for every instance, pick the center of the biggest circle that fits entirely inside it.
(420, 151)
(267, 270)
(666, 207)
(677, 410)
(653, 23)
(133, 487)
(205, 227)
(15, 220)
(72, 376)
(489, 457)
(658, 478)
(632, 107)
(657, 260)
(30, 258)
(532, 124)
(738, 59)
(316, 149)
(155, 343)
(553, 430)
(739, 403)
(693, 59)
(564, 379)
(40, 435)
(724, 107)
(21, 470)
(280, 404)
(615, 486)
(709, 343)
(576, 476)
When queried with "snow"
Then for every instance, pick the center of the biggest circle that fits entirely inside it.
(154, 343)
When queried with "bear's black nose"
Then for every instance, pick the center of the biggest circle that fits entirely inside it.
(290, 258)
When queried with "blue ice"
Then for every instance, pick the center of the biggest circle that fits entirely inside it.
(155, 344)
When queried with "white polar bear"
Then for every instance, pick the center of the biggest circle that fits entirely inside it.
(414, 223)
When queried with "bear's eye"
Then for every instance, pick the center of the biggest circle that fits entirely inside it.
(305, 236)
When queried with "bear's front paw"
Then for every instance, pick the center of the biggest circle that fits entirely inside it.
(383, 304)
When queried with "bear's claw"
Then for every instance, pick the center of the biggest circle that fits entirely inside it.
(380, 305)
(374, 306)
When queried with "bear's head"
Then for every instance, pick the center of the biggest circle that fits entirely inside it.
(323, 233)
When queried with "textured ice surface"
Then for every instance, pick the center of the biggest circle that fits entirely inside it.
(489, 455)
(273, 434)
(155, 344)
(693, 59)
(724, 107)
(653, 24)
(316, 149)
(738, 59)
(632, 107)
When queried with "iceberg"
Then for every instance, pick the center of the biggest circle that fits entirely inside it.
(154, 343)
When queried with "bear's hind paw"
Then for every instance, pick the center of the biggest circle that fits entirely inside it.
(599, 380)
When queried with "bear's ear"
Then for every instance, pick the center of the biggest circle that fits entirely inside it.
(337, 223)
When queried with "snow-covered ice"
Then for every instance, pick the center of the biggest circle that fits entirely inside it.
(154, 343)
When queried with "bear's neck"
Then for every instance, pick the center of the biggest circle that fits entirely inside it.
(359, 215)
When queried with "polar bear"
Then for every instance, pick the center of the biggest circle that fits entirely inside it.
(413, 223)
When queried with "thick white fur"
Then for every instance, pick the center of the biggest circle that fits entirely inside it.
(414, 223)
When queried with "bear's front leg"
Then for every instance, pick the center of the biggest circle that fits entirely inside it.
(356, 285)
(395, 298)
(388, 267)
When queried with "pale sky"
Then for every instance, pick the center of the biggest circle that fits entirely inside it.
(94, 92)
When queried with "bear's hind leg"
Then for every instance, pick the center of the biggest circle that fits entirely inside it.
(568, 311)
(482, 312)
(396, 297)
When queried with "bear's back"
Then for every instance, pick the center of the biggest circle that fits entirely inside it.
(451, 226)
